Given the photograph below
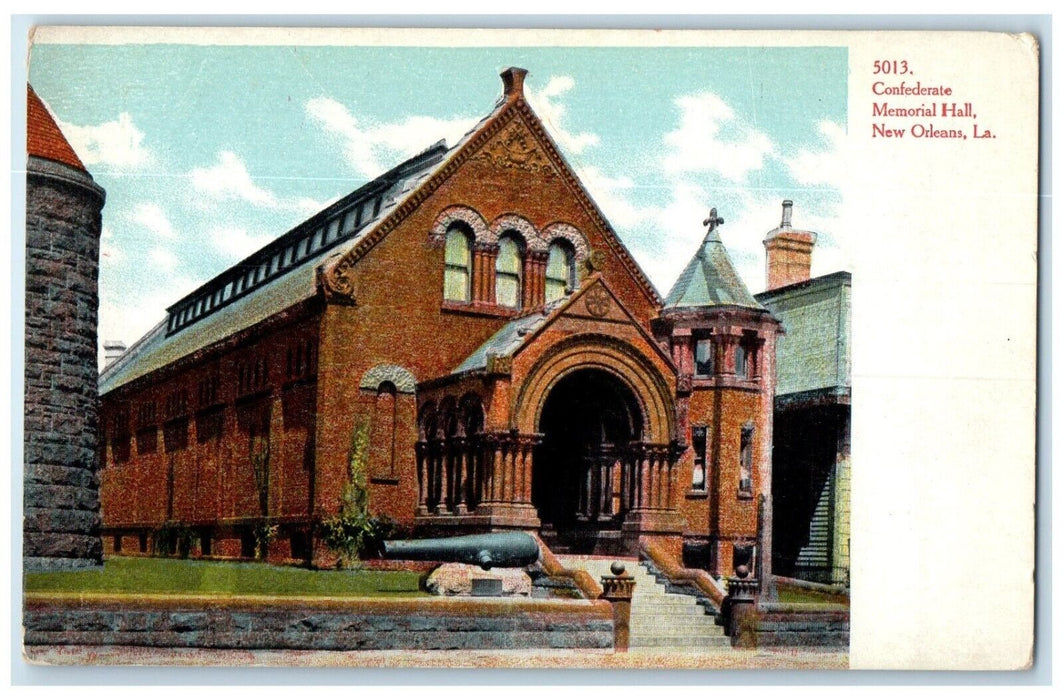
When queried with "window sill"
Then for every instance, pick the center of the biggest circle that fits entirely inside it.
(697, 495)
(725, 380)
(745, 495)
(479, 308)
(389, 480)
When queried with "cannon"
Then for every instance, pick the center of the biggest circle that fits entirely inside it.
(493, 549)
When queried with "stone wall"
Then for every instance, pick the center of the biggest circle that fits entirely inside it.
(318, 624)
(791, 625)
(61, 492)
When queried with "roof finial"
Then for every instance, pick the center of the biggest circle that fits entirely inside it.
(713, 221)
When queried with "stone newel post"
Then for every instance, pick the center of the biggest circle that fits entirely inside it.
(740, 608)
(618, 589)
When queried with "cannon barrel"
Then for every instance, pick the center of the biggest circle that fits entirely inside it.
(493, 549)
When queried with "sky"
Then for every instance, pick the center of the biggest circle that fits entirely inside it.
(209, 152)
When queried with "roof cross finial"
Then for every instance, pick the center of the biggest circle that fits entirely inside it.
(713, 221)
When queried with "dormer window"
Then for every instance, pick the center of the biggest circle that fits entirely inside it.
(560, 271)
(457, 275)
(508, 270)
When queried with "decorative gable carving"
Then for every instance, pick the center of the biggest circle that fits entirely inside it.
(516, 148)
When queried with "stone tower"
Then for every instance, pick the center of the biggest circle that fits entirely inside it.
(61, 528)
(722, 342)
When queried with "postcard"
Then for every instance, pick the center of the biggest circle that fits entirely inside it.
(494, 348)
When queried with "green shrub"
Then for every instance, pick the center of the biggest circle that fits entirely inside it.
(171, 538)
(264, 533)
(348, 532)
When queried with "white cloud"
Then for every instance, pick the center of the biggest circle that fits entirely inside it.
(152, 217)
(615, 197)
(371, 148)
(163, 258)
(823, 167)
(228, 179)
(127, 317)
(710, 139)
(116, 143)
(548, 105)
(236, 243)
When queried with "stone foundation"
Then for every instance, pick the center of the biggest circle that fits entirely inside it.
(437, 623)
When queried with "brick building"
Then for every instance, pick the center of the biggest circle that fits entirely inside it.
(513, 366)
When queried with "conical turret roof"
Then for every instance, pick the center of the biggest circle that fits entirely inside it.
(43, 137)
(709, 279)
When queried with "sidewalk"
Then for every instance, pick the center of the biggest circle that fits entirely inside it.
(778, 658)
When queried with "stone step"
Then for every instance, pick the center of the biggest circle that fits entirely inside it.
(680, 642)
(659, 619)
(692, 606)
(679, 634)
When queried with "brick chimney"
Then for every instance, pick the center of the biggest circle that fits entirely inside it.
(789, 252)
(513, 83)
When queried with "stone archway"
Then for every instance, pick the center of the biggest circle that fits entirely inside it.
(589, 417)
(652, 393)
(605, 465)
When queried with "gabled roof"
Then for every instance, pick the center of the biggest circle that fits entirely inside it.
(520, 332)
(44, 139)
(709, 279)
(508, 339)
(285, 272)
(227, 303)
(512, 106)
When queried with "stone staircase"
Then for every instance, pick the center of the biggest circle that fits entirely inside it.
(659, 620)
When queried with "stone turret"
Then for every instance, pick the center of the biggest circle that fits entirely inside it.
(61, 528)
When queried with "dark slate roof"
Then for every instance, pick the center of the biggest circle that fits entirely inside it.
(509, 338)
(842, 277)
(710, 280)
(274, 278)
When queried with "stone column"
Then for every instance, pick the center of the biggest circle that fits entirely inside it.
(443, 461)
(461, 465)
(61, 502)
(484, 257)
(422, 477)
(534, 291)
(507, 486)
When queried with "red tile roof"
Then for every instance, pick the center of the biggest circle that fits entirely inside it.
(43, 137)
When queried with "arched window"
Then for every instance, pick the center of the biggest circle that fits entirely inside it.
(382, 432)
(508, 270)
(457, 275)
(560, 271)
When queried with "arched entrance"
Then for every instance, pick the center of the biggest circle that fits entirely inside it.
(588, 419)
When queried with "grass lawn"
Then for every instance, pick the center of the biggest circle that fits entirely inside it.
(151, 575)
(792, 594)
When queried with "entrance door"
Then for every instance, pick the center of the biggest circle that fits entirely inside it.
(587, 418)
